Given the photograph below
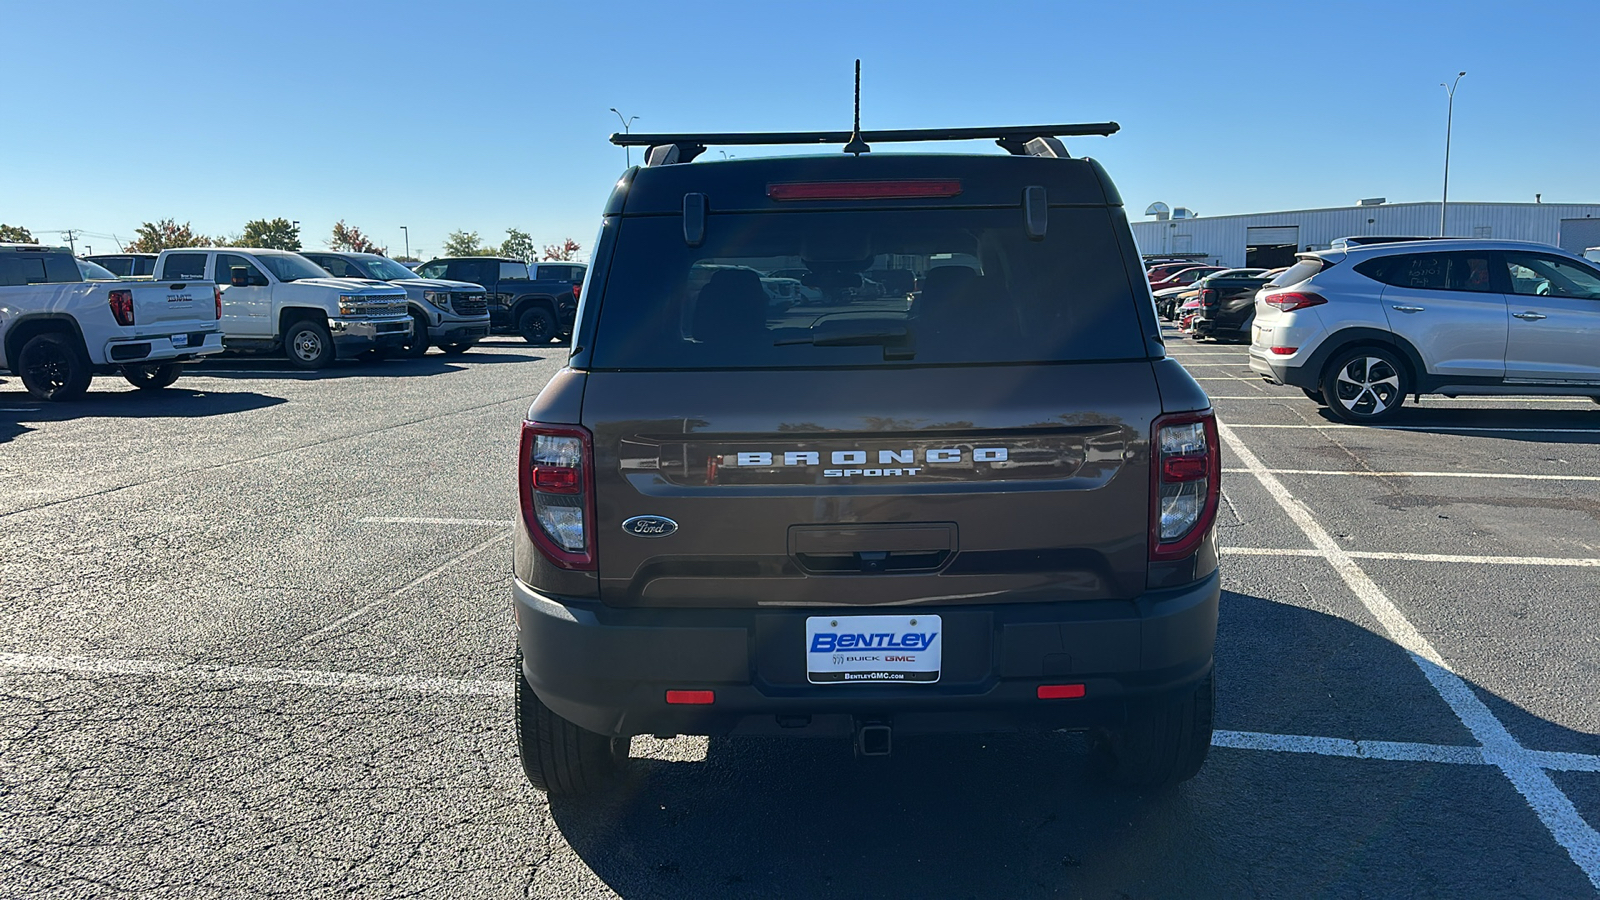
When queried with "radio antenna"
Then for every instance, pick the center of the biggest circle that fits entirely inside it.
(857, 145)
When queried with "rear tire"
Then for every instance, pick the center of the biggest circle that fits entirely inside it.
(53, 367)
(152, 377)
(536, 325)
(1161, 744)
(558, 757)
(1366, 385)
(308, 344)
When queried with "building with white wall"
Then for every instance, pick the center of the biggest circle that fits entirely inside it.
(1271, 239)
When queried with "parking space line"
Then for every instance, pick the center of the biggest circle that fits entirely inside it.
(24, 663)
(1583, 400)
(1394, 751)
(1521, 768)
(346, 619)
(1500, 476)
(1432, 428)
(1575, 562)
(411, 520)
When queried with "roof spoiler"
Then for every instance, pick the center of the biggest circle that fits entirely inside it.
(1018, 140)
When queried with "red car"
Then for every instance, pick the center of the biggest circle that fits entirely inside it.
(1162, 271)
(1183, 278)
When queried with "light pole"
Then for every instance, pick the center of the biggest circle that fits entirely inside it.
(627, 125)
(1449, 120)
(408, 241)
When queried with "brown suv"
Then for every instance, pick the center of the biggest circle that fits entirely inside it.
(973, 495)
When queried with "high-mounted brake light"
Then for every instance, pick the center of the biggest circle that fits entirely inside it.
(908, 189)
(1185, 482)
(555, 476)
(1289, 301)
(121, 306)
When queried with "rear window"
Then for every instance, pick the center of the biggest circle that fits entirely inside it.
(117, 265)
(820, 289)
(183, 267)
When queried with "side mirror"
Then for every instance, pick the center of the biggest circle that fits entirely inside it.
(239, 276)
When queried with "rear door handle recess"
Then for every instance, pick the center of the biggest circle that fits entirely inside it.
(1411, 308)
(1529, 316)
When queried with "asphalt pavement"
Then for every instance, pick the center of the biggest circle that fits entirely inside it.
(255, 641)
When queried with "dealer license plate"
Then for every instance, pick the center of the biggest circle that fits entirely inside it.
(180, 340)
(843, 649)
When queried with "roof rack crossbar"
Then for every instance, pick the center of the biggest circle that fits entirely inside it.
(1013, 138)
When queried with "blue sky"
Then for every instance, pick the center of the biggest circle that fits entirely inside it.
(484, 115)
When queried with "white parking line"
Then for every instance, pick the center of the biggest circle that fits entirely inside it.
(1570, 561)
(1583, 400)
(1427, 427)
(1498, 476)
(1548, 802)
(346, 619)
(411, 520)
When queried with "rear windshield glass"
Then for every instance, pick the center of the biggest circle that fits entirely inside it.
(804, 289)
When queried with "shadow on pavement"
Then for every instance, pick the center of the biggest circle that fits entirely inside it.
(1022, 815)
(1586, 421)
(264, 366)
(18, 406)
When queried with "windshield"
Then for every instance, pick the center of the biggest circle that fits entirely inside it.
(95, 271)
(290, 266)
(386, 269)
(867, 288)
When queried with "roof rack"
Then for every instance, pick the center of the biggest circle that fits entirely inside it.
(1018, 140)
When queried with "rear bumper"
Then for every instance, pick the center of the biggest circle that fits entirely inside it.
(1283, 373)
(608, 670)
(162, 348)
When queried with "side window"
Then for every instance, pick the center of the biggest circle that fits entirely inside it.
(118, 265)
(1470, 272)
(432, 270)
(1536, 275)
(473, 270)
(61, 268)
(144, 265)
(1418, 271)
(511, 271)
(17, 270)
(337, 267)
(184, 267)
(225, 264)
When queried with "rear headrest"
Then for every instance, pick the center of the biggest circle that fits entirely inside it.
(732, 306)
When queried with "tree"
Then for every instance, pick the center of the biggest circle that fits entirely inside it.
(16, 234)
(562, 252)
(465, 243)
(518, 245)
(271, 234)
(349, 237)
(166, 234)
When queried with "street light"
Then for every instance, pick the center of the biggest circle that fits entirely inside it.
(408, 241)
(627, 152)
(1449, 120)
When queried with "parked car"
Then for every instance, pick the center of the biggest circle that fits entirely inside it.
(1170, 300)
(874, 517)
(1163, 271)
(58, 330)
(278, 301)
(1184, 277)
(535, 300)
(1363, 328)
(127, 265)
(1226, 304)
(450, 315)
(1592, 254)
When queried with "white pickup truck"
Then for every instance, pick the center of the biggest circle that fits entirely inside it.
(275, 300)
(58, 331)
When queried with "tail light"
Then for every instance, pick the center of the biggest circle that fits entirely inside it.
(556, 479)
(576, 286)
(1289, 301)
(1185, 482)
(121, 306)
(216, 292)
(1208, 297)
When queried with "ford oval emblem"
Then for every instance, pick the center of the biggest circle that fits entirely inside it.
(650, 526)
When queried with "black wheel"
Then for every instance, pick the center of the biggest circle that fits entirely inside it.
(1315, 395)
(1365, 384)
(153, 377)
(308, 345)
(536, 325)
(415, 346)
(456, 348)
(53, 368)
(558, 757)
(1161, 744)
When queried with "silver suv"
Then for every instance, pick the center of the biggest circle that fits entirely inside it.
(1359, 329)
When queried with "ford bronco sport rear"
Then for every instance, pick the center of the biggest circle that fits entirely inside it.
(954, 484)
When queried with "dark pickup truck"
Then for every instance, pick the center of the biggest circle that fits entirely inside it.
(1228, 305)
(535, 300)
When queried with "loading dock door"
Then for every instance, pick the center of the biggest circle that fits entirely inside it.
(1271, 246)
(1578, 235)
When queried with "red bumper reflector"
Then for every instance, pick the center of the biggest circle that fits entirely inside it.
(1060, 691)
(1284, 351)
(865, 190)
(691, 698)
